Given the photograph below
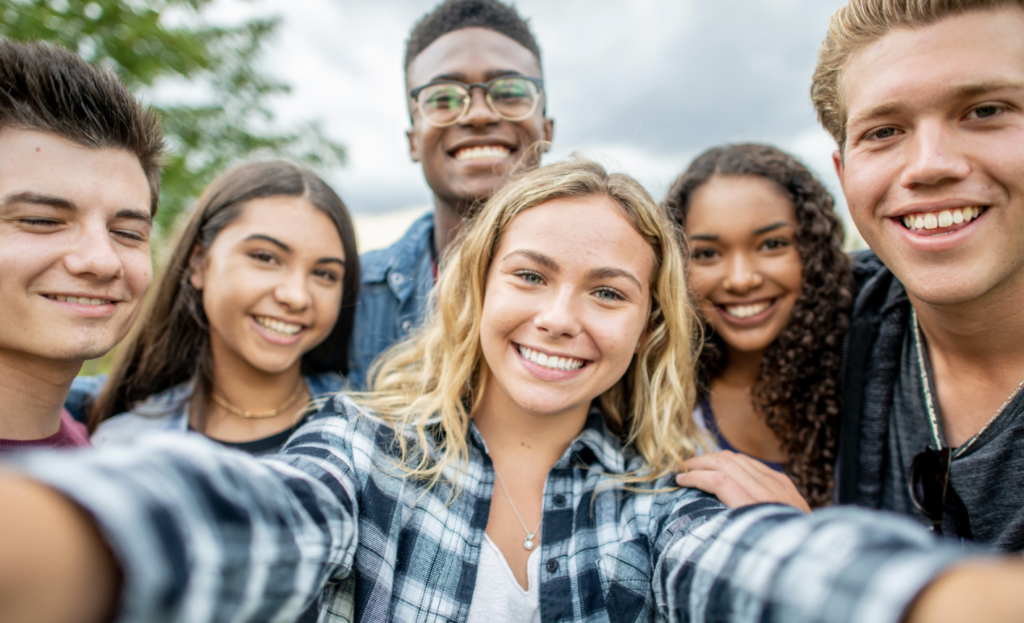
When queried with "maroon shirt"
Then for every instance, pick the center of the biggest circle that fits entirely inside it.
(71, 434)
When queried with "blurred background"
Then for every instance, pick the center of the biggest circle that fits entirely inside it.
(641, 85)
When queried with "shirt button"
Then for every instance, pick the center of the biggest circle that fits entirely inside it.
(397, 278)
(552, 565)
(406, 325)
(559, 500)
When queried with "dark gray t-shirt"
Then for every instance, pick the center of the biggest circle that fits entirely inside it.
(988, 477)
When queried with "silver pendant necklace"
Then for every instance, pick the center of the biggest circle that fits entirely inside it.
(528, 543)
(929, 402)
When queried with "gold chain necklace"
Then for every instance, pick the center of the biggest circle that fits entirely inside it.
(259, 415)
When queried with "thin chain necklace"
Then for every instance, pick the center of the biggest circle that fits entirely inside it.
(933, 418)
(300, 387)
(528, 541)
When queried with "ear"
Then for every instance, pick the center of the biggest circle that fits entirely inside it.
(414, 147)
(549, 132)
(837, 162)
(196, 267)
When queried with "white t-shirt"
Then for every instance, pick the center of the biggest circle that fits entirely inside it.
(497, 596)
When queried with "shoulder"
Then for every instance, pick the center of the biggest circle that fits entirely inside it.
(165, 412)
(374, 265)
(324, 383)
(875, 287)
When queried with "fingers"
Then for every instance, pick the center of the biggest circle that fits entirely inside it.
(739, 480)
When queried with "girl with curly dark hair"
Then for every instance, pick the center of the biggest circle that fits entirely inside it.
(772, 284)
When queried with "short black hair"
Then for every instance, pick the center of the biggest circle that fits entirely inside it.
(49, 89)
(453, 15)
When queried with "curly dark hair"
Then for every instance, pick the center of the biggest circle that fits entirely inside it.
(454, 15)
(797, 389)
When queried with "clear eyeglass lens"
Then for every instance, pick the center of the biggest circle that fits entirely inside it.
(443, 103)
(511, 98)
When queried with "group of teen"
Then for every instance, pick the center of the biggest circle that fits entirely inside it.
(554, 398)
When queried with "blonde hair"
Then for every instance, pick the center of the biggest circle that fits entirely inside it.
(861, 23)
(429, 384)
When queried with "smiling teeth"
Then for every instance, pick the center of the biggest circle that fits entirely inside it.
(278, 326)
(746, 311)
(943, 218)
(80, 300)
(554, 363)
(487, 152)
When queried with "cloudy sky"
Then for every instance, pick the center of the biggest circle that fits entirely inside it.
(641, 85)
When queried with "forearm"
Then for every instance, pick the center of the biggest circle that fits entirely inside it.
(203, 534)
(55, 566)
(773, 563)
(974, 591)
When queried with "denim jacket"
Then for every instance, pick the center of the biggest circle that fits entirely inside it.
(395, 285)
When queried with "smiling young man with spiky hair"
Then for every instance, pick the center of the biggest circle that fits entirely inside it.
(79, 179)
(926, 102)
(477, 107)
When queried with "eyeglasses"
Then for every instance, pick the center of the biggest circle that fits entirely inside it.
(445, 102)
(931, 492)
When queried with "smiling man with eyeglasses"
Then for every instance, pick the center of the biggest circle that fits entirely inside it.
(477, 106)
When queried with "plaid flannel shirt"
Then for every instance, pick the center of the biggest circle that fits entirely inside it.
(207, 534)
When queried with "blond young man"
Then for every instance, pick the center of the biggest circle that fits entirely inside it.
(926, 102)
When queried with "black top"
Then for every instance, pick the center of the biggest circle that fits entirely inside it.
(885, 422)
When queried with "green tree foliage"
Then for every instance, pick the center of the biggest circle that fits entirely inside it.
(202, 77)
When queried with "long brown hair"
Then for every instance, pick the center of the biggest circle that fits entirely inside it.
(171, 343)
(797, 389)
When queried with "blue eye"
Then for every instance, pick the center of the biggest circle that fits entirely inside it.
(609, 294)
(530, 277)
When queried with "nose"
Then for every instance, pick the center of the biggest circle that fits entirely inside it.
(560, 315)
(933, 156)
(93, 253)
(741, 274)
(292, 292)
(479, 112)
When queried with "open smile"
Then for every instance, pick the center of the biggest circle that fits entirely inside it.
(550, 366)
(939, 222)
(277, 331)
(749, 313)
(82, 305)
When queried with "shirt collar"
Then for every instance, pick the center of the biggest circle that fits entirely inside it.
(403, 255)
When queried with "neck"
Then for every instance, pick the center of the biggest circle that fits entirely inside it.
(741, 368)
(32, 393)
(447, 224)
(249, 389)
(983, 333)
(518, 439)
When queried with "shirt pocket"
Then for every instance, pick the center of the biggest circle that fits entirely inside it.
(625, 574)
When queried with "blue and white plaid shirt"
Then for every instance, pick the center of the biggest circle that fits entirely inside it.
(207, 534)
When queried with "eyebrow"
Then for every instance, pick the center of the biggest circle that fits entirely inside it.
(597, 273)
(540, 258)
(960, 91)
(287, 249)
(772, 227)
(60, 203)
(609, 273)
(46, 200)
(488, 76)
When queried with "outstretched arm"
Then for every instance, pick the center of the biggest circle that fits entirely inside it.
(198, 533)
(772, 563)
(55, 566)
